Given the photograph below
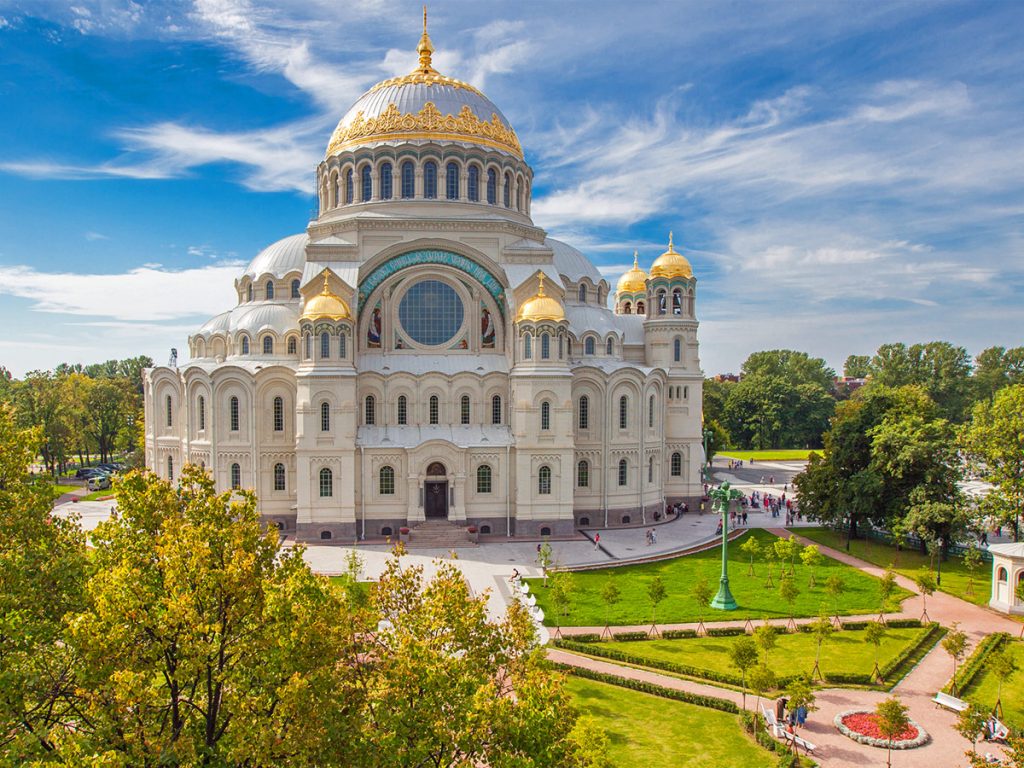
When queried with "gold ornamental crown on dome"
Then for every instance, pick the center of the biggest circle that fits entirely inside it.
(671, 264)
(634, 280)
(541, 306)
(428, 122)
(326, 305)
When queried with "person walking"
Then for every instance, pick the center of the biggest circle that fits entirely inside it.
(597, 540)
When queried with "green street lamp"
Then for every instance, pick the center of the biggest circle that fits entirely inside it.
(721, 498)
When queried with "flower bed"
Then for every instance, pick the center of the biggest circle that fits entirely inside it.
(862, 726)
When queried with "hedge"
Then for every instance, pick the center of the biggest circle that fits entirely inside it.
(678, 634)
(931, 635)
(631, 636)
(976, 662)
(711, 702)
(726, 631)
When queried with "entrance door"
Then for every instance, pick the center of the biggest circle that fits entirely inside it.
(436, 502)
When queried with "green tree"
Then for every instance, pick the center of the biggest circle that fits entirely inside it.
(766, 636)
(610, 595)
(892, 721)
(743, 655)
(972, 562)
(995, 368)
(43, 565)
(789, 592)
(720, 438)
(857, 366)
(874, 633)
(1003, 666)
(544, 555)
(926, 586)
(656, 593)
(886, 590)
(955, 644)
(822, 630)
(994, 444)
(970, 724)
(108, 406)
(812, 559)
(762, 680)
(702, 595)
(942, 369)
(715, 396)
(800, 693)
(563, 587)
(835, 587)
(751, 547)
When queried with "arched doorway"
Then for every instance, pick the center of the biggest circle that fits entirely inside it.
(435, 491)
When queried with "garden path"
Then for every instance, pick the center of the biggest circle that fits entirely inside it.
(947, 747)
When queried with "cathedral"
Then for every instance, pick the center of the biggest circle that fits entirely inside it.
(425, 351)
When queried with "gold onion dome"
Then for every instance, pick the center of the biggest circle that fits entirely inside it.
(424, 105)
(326, 305)
(671, 264)
(633, 281)
(541, 306)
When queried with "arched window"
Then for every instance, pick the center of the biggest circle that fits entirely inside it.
(544, 480)
(451, 181)
(609, 347)
(474, 184)
(677, 349)
(496, 409)
(170, 469)
(677, 302)
(560, 346)
(527, 346)
(583, 412)
(202, 413)
(245, 345)
(403, 410)
(508, 190)
(1002, 575)
(308, 347)
(233, 413)
(583, 474)
(545, 346)
(623, 412)
(640, 310)
(661, 302)
(325, 535)
(623, 472)
(325, 345)
(279, 414)
(336, 197)
(408, 180)
(236, 477)
(371, 410)
(650, 412)
(583, 294)
(626, 307)
(386, 483)
(386, 179)
(588, 345)
(430, 179)
(492, 187)
(269, 290)
(676, 465)
(279, 477)
(325, 417)
(349, 187)
(292, 345)
(545, 415)
(464, 409)
(366, 183)
(249, 293)
(326, 483)
(268, 345)
(341, 345)
(483, 479)
(650, 470)
(170, 411)
(434, 409)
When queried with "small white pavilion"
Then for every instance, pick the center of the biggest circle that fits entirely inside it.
(1007, 574)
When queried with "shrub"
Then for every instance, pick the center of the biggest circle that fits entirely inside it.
(589, 637)
(678, 634)
(726, 631)
(629, 636)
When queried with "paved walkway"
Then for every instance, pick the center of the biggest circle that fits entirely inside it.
(946, 748)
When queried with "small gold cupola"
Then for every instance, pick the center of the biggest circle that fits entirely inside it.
(326, 305)
(634, 280)
(541, 306)
(671, 264)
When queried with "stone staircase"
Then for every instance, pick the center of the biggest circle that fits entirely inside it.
(439, 534)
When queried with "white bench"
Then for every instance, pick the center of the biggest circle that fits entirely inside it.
(799, 740)
(950, 702)
(773, 725)
(999, 731)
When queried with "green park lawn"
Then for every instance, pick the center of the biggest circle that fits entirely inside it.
(984, 689)
(653, 732)
(955, 577)
(97, 495)
(60, 490)
(844, 653)
(588, 609)
(780, 454)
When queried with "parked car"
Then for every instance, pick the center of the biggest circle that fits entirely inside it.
(98, 482)
(87, 472)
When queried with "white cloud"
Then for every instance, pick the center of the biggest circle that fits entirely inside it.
(92, 236)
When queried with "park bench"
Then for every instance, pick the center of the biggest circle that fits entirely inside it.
(799, 741)
(999, 732)
(950, 702)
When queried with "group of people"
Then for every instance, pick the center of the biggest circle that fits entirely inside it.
(652, 536)
(773, 505)
(787, 716)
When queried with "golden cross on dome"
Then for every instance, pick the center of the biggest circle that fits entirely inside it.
(636, 259)
(425, 48)
(671, 247)
(327, 285)
(540, 288)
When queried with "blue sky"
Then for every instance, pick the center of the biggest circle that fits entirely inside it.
(840, 174)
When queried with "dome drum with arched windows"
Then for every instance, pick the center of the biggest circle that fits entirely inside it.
(425, 352)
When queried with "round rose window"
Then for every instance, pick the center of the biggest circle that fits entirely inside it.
(431, 313)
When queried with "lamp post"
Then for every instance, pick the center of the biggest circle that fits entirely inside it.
(721, 498)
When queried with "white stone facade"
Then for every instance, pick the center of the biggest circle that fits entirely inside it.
(441, 393)
(1007, 576)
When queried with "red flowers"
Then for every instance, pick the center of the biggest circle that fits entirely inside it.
(866, 723)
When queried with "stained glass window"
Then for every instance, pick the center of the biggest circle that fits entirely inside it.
(431, 312)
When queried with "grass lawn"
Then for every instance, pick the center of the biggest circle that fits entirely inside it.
(781, 454)
(983, 689)
(60, 490)
(908, 562)
(96, 495)
(649, 731)
(587, 609)
(846, 652)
